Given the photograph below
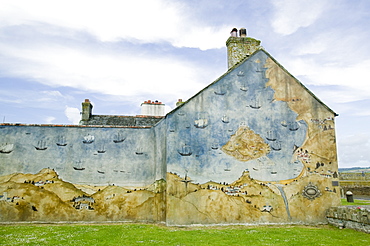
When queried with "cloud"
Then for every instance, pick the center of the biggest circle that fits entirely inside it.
(290, 15)
(73, 114)
(49, 119)
(354, 150)
(351, 80)
(142, 21)
(127, 74)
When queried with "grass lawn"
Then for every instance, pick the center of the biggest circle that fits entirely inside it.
(356, 202)
(149, 234)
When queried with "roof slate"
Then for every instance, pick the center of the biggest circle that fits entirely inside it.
(117, 120)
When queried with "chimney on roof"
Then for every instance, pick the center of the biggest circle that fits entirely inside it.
(240, 47)
(86, 110)
(243, 32)
(234, 32)
(179, 102)
(152, 108)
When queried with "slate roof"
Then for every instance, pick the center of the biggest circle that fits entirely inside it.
(118, 120)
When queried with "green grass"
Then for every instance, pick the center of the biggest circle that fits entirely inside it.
(149, 234)
(356, 202)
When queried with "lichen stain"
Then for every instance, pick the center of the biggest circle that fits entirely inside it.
(246, 145)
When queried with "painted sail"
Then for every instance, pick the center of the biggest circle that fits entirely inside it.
(119, 138)
(41, 145)
(244, 87)
(293, 126)
(101, 150)
(276, 145)
(284, 123)
(185, 150)
(225, 119)
(220, 91)
(78, 166)
(227, 168)
(88, 139)
(6, 148)
(201, 123)
(271, 136)
(214, 145)
(255, 104)
(139, 151)
(61, 141)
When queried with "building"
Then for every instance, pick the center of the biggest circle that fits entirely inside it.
(255, 146)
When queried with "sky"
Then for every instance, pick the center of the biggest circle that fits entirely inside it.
(54, 54)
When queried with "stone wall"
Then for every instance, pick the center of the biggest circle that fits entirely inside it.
(354, 217)
(354, 176)
(357, 183)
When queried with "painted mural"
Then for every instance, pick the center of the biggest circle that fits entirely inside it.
(249, 149)
(255, 146)
(79, 173)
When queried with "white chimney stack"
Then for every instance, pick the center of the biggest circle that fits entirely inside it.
(152, 108)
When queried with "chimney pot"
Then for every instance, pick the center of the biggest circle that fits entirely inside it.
(243, 32)
(234, 32)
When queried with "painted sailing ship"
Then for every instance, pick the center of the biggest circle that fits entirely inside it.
(185, 150)
(293, 126)
(78, 166)
(271, 136)
(225, 119)
(244, 87)
(139, 151)
(61, 141)
(88, 139)
(201, 123)
(214, 145)
(220, 91)
(41, 145)
(6, 148)
(276, 145)
(255, 104)
(101, 150)
(118, 138)
(227, 169)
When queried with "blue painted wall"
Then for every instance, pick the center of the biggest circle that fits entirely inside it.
(127, 163)
(241, 96)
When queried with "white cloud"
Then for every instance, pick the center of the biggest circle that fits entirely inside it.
(290, 15)
(126, 74)
(144, 21)
(354, 150)
(73, 114)
(353, 77)
(49, 119)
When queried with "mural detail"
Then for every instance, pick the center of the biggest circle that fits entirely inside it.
(246, 145)
(311, 191)
(46, 197)
(6, 148)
